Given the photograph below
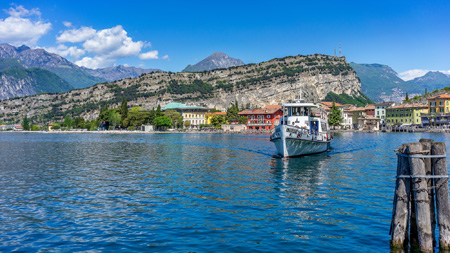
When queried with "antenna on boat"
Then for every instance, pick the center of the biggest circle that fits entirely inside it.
(300, 98)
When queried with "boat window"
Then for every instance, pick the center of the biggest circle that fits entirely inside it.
(323, 126)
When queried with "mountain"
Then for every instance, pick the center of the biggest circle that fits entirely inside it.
(217, 60)
(252, 85)
(381, 83)
(71, 75)
(16, 80)
(39, 58)
(431, 81)
(118, 72)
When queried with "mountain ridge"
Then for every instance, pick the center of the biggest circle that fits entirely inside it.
(216, 60)
(253, 85)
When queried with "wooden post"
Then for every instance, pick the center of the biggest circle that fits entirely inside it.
(442, 198)
(417, 167)
(399, 225)
(426, 146)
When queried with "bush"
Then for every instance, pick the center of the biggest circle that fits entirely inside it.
(132, 128)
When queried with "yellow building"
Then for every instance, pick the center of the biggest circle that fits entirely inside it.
(405, 114)
(439, 104)
(210, 115)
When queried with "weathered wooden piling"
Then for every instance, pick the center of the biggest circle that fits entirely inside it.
(421, 173)
(442, 198)
(399, 224)
(422, 203)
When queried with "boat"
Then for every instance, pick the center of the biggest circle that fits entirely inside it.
(303, 130)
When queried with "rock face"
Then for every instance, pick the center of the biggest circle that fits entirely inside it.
(254, 85)
(217, 60)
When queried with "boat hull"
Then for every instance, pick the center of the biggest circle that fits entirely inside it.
(291, 142)
(292, 147)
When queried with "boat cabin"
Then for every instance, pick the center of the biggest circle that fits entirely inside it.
(304, 116)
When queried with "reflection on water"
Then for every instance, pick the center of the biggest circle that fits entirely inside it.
(194, 192)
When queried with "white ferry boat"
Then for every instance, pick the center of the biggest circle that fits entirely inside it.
(303, 130)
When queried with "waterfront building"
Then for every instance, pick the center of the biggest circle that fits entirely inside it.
(234, 127)
(438, 111)
(210, 115)
(263, 118)
(357, 113)
(380, 110)
(195, 115)
(409, 114)
(345, 113)
(370, 110)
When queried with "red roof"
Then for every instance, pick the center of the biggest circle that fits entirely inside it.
(330, 104)
(442, 96)
(269, 109)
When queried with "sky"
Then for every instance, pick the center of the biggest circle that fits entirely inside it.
(412, 37)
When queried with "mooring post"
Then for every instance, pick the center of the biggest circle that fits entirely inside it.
(399, 225)
(426, 145)
(421, 200)
(442, 197)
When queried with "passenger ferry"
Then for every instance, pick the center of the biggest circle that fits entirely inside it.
(303, 130)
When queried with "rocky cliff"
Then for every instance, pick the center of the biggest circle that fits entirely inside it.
(256, 85)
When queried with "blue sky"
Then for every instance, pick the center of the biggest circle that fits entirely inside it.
(406, 35)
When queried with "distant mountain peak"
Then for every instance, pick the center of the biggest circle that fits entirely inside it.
(216, 60)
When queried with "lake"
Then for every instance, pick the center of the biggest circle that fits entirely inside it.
(195, 193)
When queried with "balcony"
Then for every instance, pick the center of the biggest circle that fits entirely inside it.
(258, 123)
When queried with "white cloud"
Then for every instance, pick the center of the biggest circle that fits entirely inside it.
(20, 11)
(76, 35)
(65, 51)
(95, 62)
(149, 55)
(18, 30)
(113, 43)
(166, 57)
(67, 24)
(411, 74)
(414, 73)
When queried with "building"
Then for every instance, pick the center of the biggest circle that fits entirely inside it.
(345, 113)
(210, 115)
(263, 118)
(409, 114)
(370, 110)
(370, 123)
(380, 111)
(438, 111)
(439, 104)
(193, 116)
(357, 114)
(234, 127)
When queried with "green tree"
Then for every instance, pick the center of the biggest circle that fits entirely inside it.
(78, 122)
(162, 121)
(35, 128)
(56, 126)
(426, 92)
(173, 116)
(406, 98)
(158, 112)
(114, 118)
(25, 123)
(187, 124)
(68, 122)
(136, 117)
(180, 122)
(124, 110)
(243, 120)
(232, 112)
(334, 117)
(219, 120)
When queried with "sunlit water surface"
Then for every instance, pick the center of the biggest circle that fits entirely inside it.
(195, 192)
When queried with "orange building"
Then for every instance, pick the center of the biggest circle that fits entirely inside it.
(263, 118)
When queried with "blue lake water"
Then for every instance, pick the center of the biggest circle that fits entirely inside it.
(195, 192)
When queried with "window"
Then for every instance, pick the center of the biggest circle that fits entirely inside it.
(268, 116)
